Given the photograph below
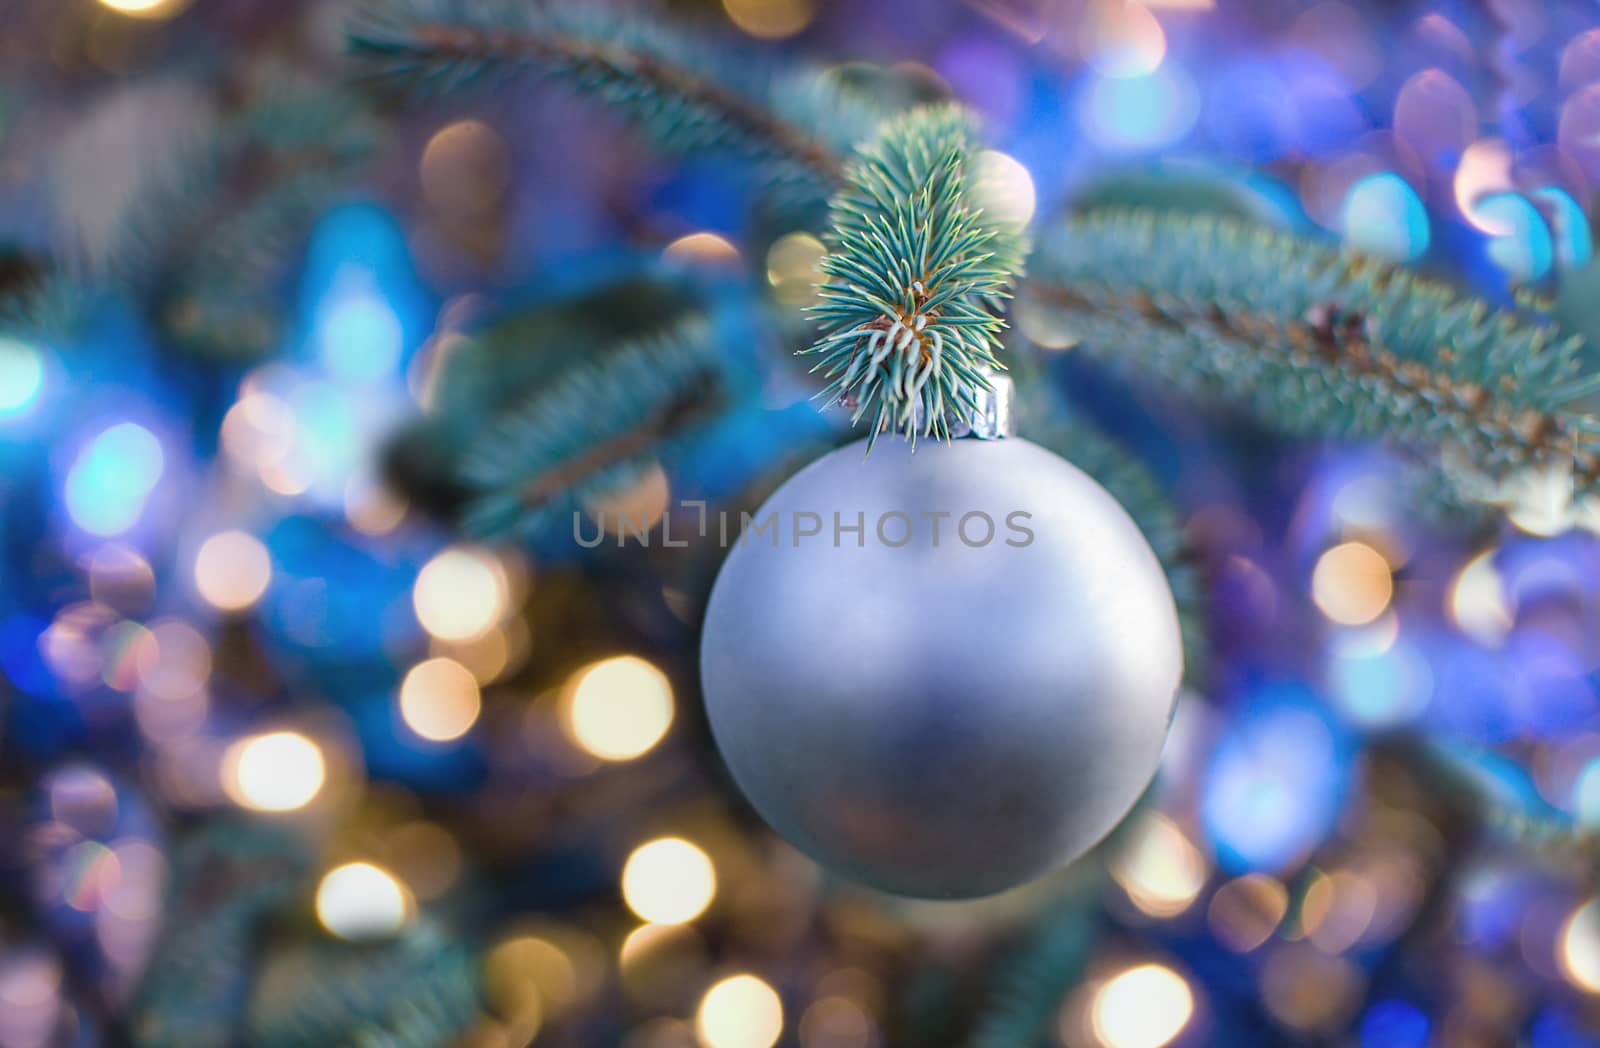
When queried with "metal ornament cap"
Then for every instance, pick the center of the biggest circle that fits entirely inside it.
(926, 712)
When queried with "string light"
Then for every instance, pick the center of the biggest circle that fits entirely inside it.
(705, 248)
(1144, 1007)
(147, 8)
(278, 771)
(460, 594)
(770, 19)
(741, 1011)
(1158, 867)
(232, 570)
(1580, 947)
(1352, 584)
(668, 881)
(1003, 188)
(618, 709)
(439, 699)
(361, 901)
(1477, 602)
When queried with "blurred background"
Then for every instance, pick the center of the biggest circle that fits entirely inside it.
(288, 758)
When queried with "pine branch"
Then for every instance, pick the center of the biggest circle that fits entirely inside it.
(417, 990)
(227, 881)
(1031, 983)
(589, 431)
(566, 401)
(1318, 342)
(203, 249)
(688, 96)
(909, 328)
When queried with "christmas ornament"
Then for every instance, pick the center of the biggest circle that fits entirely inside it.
(941, 670)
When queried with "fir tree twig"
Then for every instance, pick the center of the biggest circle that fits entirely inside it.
(1325, 343)
(909, 325)
(689, 97)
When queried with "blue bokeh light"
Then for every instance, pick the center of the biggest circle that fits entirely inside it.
(21, 377)
(1275, 784)
(1569, 227)
(1378, 686)
(1521, 244)
(1384, 216)
(112, 478)
(1142, 112)
(360, 337)
(1394, 1024)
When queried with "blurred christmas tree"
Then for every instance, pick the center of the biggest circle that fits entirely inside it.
(381, 385)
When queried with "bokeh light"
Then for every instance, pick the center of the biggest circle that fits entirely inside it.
(21, 376)
(1580, 947)
(1003, 188)
(702, 249)
(439, 699)
(361, 337)
(1521, 244)
(461, 594)
(1143, 1007)
(147, 8)
(1245, 912)
(1383, 216)
(1159, 868)
(1142, 112)
(278, 771)
(1352, 583)
(232, 570)
(794, 268)
(618, 709)
(359, 901)
(112, 478)
(1274, 787)
(465, 169)
(1477, 601)
(770, 19)
(741, 1011)
(668, 881)
(1122, 39)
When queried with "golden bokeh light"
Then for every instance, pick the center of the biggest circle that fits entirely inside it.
(371, 508)
(147, 8)
(232, 570)
(1004, 189)
(636, 508)
(794, 268)
(1158, 867)
(1579, 947)
(465, 169)
(1246, 911)
(439, 699)
(1477, 600)
(277, 771)
(1143, 1007)
(703, 248)
(835, 1022)
(770, 19)
(362, 901)
(668, 881)
(1123, 40)
(1352, 584)
(741, 1011)
(619, 708)
(461, 594)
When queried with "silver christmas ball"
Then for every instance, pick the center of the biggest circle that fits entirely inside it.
(943, 671)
